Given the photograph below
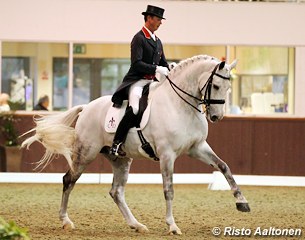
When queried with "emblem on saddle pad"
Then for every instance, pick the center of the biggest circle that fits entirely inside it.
(112, 123)
(115, 115)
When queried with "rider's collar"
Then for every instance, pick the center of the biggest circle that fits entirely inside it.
(148, 34)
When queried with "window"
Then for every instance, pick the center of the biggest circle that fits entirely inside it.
(262, 80)
(92, 78)
(16, 82)
(27, 71)
(60, 83)
(112, 74)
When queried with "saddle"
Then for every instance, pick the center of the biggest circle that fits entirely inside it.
(114, 116)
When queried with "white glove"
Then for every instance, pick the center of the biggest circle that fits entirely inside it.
(162, 70)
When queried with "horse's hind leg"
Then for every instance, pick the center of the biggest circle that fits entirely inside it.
(69, 181)
(204, 152)
(120, 167)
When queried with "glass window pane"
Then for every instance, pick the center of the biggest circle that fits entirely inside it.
(82, 71)
(15, 72)
(262, 60)
(112, 74)
(60, 83)
(27, 71)
(180, 52)
(261, 80)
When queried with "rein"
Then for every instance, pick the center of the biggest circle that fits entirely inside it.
(207, 101)
(174, 86)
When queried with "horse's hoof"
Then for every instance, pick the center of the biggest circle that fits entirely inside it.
(68, 226)
(142, 229)
(175, 231)
(243, 207)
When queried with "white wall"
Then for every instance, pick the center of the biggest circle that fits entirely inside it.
(188, 22)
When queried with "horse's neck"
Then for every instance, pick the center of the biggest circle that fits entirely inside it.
(186, 79)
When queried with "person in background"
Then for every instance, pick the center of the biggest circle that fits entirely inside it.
(43, 104)
(4, 106)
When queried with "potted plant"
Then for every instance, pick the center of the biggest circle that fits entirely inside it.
(10, 152)
(11, 231)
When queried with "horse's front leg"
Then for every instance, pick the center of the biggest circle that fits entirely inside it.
(120, 167)
(204, 152)
(167, 167)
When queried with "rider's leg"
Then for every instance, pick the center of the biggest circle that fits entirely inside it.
(135, 93)
(122, 131)
(129, 118)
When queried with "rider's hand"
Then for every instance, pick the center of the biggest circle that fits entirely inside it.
(162, 70)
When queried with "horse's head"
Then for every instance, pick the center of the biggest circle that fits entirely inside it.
(215, 90)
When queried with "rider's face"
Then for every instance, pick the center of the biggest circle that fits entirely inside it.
(153, 23)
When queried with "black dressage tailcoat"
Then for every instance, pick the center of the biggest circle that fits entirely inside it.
(146, 55)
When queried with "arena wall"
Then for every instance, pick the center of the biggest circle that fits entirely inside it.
(249, 145)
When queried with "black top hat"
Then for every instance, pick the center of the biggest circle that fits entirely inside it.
(155, 11)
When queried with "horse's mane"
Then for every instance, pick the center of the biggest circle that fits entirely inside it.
(184, 63)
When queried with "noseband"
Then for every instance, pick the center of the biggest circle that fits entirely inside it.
(207, 101)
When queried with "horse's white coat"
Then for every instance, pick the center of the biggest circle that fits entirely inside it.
(174, 128)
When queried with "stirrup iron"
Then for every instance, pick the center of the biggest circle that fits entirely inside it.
(117, 150)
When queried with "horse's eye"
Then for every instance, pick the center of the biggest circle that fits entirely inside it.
(216, 87)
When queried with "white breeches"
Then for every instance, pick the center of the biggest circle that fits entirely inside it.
(135, 93)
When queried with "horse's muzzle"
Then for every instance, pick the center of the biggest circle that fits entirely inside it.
(214, 118)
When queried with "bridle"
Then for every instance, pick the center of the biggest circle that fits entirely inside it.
(207, 101)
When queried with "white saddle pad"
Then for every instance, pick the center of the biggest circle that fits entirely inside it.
(115, 115)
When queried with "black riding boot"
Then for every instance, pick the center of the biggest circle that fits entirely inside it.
(120, 136)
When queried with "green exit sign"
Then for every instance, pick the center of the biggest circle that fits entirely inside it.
(79, 48)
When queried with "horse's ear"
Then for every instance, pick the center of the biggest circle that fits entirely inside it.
(233, 64)
(222, 65)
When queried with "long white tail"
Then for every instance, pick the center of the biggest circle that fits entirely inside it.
(56, 133)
